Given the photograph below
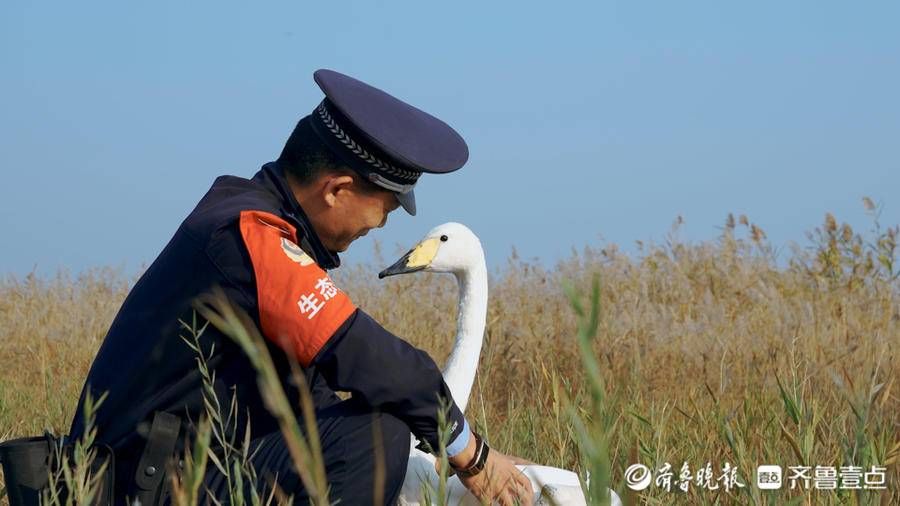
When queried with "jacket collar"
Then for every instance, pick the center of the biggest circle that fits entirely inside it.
(273, 179)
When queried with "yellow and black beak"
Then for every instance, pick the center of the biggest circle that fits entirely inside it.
(414, 260)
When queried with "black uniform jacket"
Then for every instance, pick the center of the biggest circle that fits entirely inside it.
(252, 239)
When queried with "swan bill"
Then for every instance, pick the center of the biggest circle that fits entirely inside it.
(414, 260)
(399, 267)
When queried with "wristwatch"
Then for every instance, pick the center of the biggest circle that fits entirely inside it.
(477, 464)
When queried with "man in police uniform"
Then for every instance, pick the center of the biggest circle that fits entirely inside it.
(268, 242)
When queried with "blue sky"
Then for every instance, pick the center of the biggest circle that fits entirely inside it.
(586, 122)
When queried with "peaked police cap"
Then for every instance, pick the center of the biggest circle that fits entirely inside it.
(388, 141)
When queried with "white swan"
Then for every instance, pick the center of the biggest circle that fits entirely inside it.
(453, 248)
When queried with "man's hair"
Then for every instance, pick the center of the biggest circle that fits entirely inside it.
(306, 157)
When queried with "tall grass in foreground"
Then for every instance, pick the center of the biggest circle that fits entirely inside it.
(77, 475)
(721, 351)
(305, 450)
(233, 458)
(593, 433)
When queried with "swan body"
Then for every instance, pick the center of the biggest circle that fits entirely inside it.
(453, 248)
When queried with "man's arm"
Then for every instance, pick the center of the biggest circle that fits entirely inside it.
(388, 372)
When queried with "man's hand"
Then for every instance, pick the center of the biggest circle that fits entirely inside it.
(500, 480)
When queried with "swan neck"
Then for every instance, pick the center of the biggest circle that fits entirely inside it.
(473, 299)
(473, 303)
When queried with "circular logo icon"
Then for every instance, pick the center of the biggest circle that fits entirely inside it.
(295, 253)
(637, 477)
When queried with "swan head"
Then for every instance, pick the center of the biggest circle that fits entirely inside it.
(450, 247)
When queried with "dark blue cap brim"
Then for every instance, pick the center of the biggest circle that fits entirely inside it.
(408, 201)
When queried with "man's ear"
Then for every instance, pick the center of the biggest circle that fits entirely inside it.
(334, 187)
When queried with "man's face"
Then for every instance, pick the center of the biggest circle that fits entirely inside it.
(353, 206)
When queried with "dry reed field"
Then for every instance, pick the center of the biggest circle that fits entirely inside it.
(712, 352)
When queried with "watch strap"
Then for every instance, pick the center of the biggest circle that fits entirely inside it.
(478, 461)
